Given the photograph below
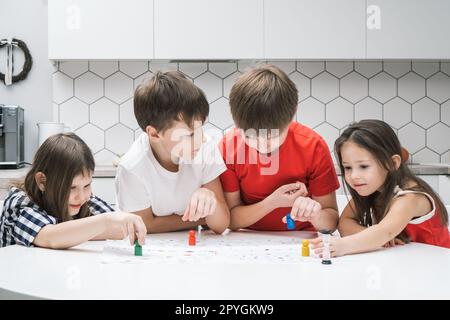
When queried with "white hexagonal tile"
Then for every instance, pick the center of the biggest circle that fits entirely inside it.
(411, 87)
(213, 132)
(162, 66)
(425, 156)
(137, 133)
(219, 113)
(445, 158)
(211, 86)
(103, 68)
(325, 87)
(303, 85)
(445, 67)
(228, 83)
(222, 69)
(397, 112)
(354, 87)
(139, 80)
(445, 113)
(397, 68)
(244, 65)
(438, 87)
(382, 87)
(74, 113)
(104, 113)
(339, 68)
(438, 138)
(311, 112)
(368, 68)
(119, 87)
(425, 69)
(412, 137)
(133, 68)
(62, 87)
(93, 136)
(329, 133)
(55, 112)
(127, 114)
(310, 68)
(425, 112)
(368, 108)
(73, 68)
(118, 139)
(339, 113)
(193, 69)
(287, 66)
(88, 87)
(104, 158)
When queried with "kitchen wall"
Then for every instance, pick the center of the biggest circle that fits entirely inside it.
(94, 98)
(27, 21)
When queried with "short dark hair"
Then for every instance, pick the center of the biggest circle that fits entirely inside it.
(263, 98)
(168, 97)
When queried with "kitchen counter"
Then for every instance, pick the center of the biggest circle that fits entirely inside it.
(6, 176)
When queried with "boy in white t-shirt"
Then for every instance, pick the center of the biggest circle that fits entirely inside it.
(170, 175)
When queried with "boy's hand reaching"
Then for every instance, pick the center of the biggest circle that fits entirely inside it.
(305, 209)
(123, 224)
(286, 195)
(203, 203)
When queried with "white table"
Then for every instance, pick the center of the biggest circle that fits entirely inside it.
(413, 271)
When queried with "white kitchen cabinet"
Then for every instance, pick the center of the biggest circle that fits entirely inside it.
(410, 29)
(100, 29)
(208, 29)
(319, 29)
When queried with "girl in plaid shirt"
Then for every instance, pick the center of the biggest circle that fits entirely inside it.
(54, 206)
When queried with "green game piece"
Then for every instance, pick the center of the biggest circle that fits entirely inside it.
(137, 249)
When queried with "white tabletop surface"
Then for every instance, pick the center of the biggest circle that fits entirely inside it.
(413, 271)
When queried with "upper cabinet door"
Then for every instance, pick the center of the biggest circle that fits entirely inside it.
(315, 29)
(100, 29)
(208, 29)
(408, 29)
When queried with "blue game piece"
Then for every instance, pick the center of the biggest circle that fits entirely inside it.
(290, 222)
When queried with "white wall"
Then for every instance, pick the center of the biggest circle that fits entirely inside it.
(27, 20)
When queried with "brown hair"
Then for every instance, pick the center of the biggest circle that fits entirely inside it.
(380, 140)
(167, 97)
(263, 98)
(61, 158)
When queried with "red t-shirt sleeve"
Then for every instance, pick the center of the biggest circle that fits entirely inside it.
(230, 182)
(323, 179)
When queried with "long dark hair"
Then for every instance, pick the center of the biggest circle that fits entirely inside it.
(61, 158)
(378, 138)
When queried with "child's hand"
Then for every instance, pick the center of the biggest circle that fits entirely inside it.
(336, 245)
(285, 195)
(123, 224)
(203, 203)
(394, 242)
(305, 209)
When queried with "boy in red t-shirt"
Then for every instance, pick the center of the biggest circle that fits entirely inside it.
(275, 165)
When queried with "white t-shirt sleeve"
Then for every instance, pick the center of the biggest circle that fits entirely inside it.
(131, 192)
(213, 165)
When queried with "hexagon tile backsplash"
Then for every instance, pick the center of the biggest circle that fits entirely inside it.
(94, 98)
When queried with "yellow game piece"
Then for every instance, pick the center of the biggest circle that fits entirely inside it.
(305, 248)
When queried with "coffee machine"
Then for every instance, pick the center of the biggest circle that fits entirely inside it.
(11, 137)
